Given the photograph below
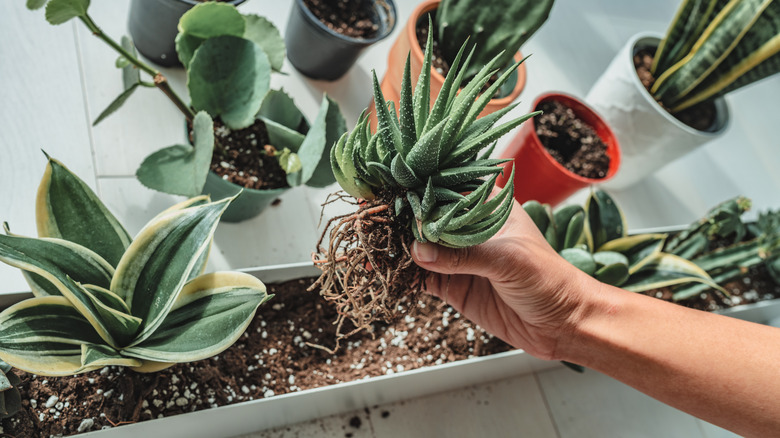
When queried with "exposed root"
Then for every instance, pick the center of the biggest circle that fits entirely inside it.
(367, 267)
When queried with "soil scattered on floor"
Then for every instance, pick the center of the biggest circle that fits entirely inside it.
(274, 356)
(700, 116)
(352, 18)
(570, 141)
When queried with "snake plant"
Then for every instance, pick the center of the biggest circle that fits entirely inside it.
(102, 298)
(427, 158)
(713, 47)
(498, 28)
(594, 238)
(10, 399)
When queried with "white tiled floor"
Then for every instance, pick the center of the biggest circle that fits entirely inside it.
(55, 80)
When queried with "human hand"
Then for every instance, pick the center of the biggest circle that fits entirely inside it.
(515, 285)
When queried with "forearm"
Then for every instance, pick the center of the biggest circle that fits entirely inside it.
(720, 369)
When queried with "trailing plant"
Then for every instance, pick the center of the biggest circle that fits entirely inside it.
(228, 57)
(594, 238)
(10, 399)
(102, 298)
(420, 176)
(714, 47)
(497, 28)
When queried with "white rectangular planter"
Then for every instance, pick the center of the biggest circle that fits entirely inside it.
(305, 405)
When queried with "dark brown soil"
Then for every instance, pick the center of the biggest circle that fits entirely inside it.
(573, 143)
(700, 116)
(246, 160)
(271, 358)
(352, 18)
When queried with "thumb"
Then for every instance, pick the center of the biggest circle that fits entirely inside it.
(474, 260)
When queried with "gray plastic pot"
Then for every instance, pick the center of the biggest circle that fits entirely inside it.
(153, 25)
(321, 53)
(249, 204)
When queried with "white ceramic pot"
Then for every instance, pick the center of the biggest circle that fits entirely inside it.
(649, 136)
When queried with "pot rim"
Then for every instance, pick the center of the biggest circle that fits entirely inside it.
(249, 190)
(411, 33)
(392, 15)
(651, 39)
(614, 159)
(197, 2)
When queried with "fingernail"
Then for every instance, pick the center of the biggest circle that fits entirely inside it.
(425, 252)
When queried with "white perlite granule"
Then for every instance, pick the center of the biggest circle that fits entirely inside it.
(51, 401)
(86, 424)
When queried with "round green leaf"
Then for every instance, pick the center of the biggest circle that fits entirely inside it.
(228, 78)
(263, 33)
(580, 258)
(60, 11)
(212, 19)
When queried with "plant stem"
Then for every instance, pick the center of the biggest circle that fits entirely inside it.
(160, 81)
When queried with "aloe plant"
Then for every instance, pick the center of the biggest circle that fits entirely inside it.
(497, 28)
(714, 47)
(426, 159)
(102, 298)
(229, 58)
(594, 238)
(10, 399)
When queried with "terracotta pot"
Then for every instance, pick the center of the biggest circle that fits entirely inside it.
(407, 41)
(537, 175)
(321, 53)
(649, 136)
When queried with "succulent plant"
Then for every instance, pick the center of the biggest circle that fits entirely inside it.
(10, 399)
(713, 47)
(429, 160)
(498, 28)
(595, 240)
(102, 298)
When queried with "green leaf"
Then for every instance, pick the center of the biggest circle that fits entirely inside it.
(94, 356)
(667, 270)
(180, 169)
(211, 313)
(131, 75)
(279, 107)
(228, 78)
(386, 121)
(312, 149)
(155, 267)
(44, 336)
(186, 45)
(35, 4)
(263, 33)
(212, 19)
(281, 136)
(540, 214)
(640, 249)
(569, 225)
(68, 209)
(116, 104)
(605, 220)
(615, 275)
(61, 11)
(403, 174)
(113, 317)
(423, 158)
(422, 91)
(580, 258)
(335, 126)
(289, 161)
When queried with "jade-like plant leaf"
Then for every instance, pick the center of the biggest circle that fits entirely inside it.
(212, 19)
(279, 107)
(68, 209)
(160, 260)
(44, 336)
(61, 11)
(181, 169)
(580, 258)
(210, 314)
(228, 78)
(263, 33)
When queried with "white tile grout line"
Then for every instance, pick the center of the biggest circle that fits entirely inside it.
(546, 403)
(85, 99)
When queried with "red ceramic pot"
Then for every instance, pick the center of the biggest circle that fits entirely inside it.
(537, 175)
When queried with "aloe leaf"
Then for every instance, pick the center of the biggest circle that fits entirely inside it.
(403, 174)
(439, 110)
(424, 155)
(479, 126)
(476, 236)
(263, 33)
(210, 314)
(406, 110)
(640, 249)
(68, 209)
(61, 11)
(235, 91)
(155, 267)
(457, 175)
(667, 270)
(44, 336)
(422, 92)
(180, 169)
(482, 208)
(335, 126)
(386, 122)
(470, 148)
(415, 204)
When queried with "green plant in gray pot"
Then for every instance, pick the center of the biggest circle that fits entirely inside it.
(102, 298)
(229, 58)
(10, 399)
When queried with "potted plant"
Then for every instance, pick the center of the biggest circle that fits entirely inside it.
(496, 28)
(567, 148)
(664, 97)
(325, 38)
(153, 27)
(247, 48)
(419, 177)
(10, 399)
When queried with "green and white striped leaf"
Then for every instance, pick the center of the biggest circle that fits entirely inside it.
(67, 208)
(94, 356)
(605, 219)
(639, 249)
(155, 267)
(44, 336)
(667, 270)
(210, 314)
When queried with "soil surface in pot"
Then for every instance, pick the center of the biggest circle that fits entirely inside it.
(352, 18)
(272, 357)
(572, 142)
(700, 116)
(247, 159)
